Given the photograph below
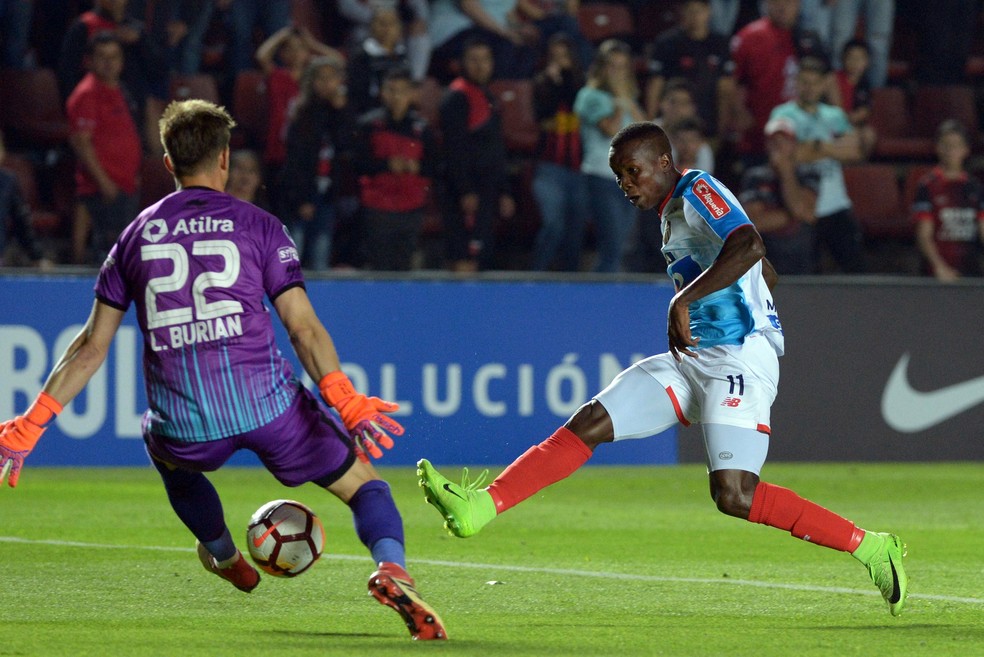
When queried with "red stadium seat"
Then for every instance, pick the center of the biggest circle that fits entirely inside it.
(250, 108)
(515, 103)
(201, 85)
(605, 20)
(46, 222)
(877, 201)
(895, 136)
(31, 108)
(934, 103)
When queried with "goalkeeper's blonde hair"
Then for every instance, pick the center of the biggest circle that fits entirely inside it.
(193, 133)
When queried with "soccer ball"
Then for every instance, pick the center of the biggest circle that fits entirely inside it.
(285, 538)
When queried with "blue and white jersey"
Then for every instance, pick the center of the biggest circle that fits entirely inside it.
(695, 220)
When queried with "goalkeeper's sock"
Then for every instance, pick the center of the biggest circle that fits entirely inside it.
(223, 549)
(554, 459)
(196, 502)
(782, 508)
(378, 523)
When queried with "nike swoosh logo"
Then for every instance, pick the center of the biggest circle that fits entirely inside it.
(896, 591)
(258, 541)
(447, 487)
(908, 410)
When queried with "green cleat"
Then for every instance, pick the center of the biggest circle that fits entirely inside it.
(886, 569)
(465, 508)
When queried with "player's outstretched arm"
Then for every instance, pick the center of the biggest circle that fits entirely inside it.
(70, 375)
(363, 416)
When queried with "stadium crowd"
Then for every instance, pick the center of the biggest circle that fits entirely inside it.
(473, 134)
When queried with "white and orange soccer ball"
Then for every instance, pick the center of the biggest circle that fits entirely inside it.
(285, 538)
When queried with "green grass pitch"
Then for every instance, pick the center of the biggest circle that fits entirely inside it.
(612, 561)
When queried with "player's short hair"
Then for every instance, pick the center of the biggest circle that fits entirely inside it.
(101, 38)
(679, 84)
(646, 131)
(856, 43)
(686, 124)
(194, 132)
(813, 64)
(952, 127)
(475, 42)
(399, 72)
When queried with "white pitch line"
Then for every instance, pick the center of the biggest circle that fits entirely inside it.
(534, 569)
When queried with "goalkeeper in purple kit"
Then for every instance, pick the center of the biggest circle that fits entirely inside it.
(197, 266)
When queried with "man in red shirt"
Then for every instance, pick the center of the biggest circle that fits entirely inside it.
(107, 147)
(765, 54)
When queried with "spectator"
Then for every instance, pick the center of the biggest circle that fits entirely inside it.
(690, 148)
(608, 102)
(879, 24)
(284, 57)
(15, 217)
(144, 74)
(512, 38)
(395, 160)
(678, 104)
(106, 142)
(826, 140)
(558, 185)
(693, 52)
(15, 32)
(815, 17)
(852, 90)
(724, 16)
(475, 158)
(552, 17)
(765, 53)
(319, 145)
(179, 28)
(413, 16)
(383, 49)
(244, 17)
(246, 178)
(948, 210)
(780, 198)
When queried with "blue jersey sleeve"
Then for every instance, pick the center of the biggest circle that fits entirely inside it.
(715, 204)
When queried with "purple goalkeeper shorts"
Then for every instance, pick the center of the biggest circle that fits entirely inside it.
(305, 443)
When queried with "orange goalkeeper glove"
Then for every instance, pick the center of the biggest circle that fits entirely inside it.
(362, 416)
(18, 436)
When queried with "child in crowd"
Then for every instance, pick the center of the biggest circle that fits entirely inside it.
(394, 158)
(949, 210)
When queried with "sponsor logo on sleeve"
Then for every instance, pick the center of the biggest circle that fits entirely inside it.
(710, 199)
(288, 254)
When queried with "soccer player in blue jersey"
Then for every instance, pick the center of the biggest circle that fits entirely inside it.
(721, 370)
(197, 266)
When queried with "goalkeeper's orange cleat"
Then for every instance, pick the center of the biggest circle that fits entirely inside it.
(393, 587)
(240, 574)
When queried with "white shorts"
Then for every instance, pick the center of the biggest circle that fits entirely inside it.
(730, 385)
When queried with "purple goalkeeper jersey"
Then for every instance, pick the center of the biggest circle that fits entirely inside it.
(197, 266)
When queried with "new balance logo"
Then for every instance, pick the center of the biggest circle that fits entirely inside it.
(731, 402)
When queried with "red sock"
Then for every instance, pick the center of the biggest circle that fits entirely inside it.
(782, 508)
(554, 459)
